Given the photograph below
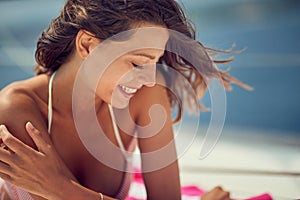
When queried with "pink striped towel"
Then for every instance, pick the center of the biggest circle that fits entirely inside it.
(189, 192)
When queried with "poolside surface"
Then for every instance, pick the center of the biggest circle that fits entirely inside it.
(247, 164)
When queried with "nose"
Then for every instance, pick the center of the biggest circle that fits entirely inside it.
(147, 75)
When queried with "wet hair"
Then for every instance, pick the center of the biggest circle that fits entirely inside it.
(105, 18)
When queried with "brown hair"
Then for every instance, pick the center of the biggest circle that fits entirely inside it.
(105, 18)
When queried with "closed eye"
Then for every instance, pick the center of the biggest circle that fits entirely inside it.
(137, 66)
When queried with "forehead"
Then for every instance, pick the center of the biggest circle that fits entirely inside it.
(150, 53)
(154, 27)
(150, 37)
(145, 38)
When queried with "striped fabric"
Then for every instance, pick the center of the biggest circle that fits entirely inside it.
(16, 193)
(126, 183)
(190, 192)
(137, 191)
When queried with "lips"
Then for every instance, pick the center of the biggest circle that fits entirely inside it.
(128, 90)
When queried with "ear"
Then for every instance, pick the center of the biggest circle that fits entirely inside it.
(85, 43)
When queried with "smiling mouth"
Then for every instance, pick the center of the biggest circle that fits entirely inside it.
(128, 90)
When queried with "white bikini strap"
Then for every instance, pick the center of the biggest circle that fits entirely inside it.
(116, 131)
(50, 102)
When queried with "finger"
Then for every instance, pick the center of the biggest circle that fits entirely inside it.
(5, 168)
(12, 142)
(5, 155)
(37, 138)
(2, 145)
(217, 189)
(222, 194)
(225, 195)
(5, 177)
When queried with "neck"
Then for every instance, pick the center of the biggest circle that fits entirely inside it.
(63, 85)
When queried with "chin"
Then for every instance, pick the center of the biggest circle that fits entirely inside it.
(119, 99)
(117, 102)
(120, 104)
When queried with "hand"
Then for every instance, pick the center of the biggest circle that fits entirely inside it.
(41, 172)
(216, 194)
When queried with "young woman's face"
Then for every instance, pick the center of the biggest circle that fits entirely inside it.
(128, 73)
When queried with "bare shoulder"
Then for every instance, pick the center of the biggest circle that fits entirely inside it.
(150, 94)
(146, 97)
(18, 106)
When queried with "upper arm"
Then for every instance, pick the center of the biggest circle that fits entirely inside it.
(16, 109)
(158, 152)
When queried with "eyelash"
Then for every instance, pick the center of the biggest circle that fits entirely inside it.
(137, 66)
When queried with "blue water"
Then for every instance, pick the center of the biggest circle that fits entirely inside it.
(268, 29)
(271, 63)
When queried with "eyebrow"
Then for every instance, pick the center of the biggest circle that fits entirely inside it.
(145, 55)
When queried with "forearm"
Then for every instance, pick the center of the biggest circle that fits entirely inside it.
(75, 191)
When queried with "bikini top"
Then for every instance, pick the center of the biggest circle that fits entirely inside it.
(127, 177)
(115, 127)
(16, 193)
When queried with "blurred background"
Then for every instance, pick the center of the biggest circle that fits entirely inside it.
(266, 119)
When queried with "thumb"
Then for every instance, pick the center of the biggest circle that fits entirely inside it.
(37, 138)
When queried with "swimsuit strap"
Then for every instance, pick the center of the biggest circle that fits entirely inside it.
(116, 132)
(50, 102)
(127, 177)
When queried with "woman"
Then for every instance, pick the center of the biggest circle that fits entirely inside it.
(61, 166)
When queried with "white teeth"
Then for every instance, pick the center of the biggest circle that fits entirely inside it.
(128, 90)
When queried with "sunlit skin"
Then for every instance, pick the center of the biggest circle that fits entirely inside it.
(133, 64)
(67, 170)
(32, 96)
(133, 70)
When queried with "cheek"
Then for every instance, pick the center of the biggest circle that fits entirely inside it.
(120, 76)
(119, 72)
(127, 77)
(106, 85)
(111, 79)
